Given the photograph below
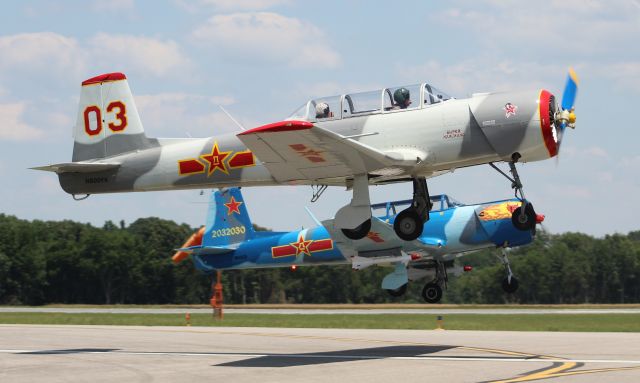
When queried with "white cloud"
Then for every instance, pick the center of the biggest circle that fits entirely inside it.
(141, 53)
(13, 127)
(54, 58)
(269, 36)
(45, 51)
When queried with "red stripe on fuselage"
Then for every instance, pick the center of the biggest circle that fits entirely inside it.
(242, 159)
(190, 167)
(321, 245)
(283, 251)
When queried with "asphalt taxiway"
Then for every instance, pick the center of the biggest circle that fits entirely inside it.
(39, 353)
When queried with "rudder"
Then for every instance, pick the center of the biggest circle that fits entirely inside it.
(108, 122)
(228, 220)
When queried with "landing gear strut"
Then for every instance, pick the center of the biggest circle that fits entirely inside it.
(432, 291)
(409, 223)
(509, 283)
(354, 219)
(524, 217)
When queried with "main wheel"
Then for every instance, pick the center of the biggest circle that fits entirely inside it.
(510, 288)
(399, 291)
(408, 225)
(432, 293)
(359, 232)
(526, 221)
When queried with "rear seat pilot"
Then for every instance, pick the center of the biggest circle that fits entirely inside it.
(402, 98)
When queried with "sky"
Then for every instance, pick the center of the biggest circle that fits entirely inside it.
(261, 59)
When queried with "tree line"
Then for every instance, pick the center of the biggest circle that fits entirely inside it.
(44, 262)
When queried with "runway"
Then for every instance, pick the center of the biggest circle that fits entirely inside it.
(39, 353)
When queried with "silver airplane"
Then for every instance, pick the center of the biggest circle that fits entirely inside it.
(396, 134)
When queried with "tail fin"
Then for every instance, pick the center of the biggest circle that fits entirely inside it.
(228, 220)
(108, 122)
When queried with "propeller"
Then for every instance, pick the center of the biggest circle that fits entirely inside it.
(566, 116)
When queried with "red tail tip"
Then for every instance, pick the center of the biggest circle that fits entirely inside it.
(115, 76)
(539, 218)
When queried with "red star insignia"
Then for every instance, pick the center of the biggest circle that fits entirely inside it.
(216, 160)
(233, 206)
(510, 110)
(302, 246)
(311, 152)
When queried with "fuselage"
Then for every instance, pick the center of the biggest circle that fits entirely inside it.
(440, 137)
(449, 233)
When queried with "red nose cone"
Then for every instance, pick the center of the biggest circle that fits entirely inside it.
(467, 268)
(539, 218)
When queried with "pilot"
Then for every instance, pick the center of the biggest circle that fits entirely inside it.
(402, 98)
(322, 110)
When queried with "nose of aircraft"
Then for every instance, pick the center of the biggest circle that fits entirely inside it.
(554, 118)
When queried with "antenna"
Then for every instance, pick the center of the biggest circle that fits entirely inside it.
(231, 118)
(313, 216)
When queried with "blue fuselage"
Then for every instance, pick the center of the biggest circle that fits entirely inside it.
(447, 232)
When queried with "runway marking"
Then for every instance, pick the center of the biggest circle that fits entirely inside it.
(549, 374)
(553, 371)
(324, 356)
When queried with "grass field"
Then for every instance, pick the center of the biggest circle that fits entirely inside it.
(515, 322)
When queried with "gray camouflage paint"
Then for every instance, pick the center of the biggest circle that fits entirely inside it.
(444, 136)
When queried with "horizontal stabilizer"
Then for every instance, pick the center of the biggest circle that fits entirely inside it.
(78, 167)
(206, 250)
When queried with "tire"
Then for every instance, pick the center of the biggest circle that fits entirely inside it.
(359, 232)
(432, 293)
(408, 225)
(510, 288)
(399, 291)
(527, 222)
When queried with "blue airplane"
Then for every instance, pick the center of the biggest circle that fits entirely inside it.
(229, 241)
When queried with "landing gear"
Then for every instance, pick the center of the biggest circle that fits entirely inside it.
(432, 291)
(510, 286)
(509, 283)
(409, 223)
(354, 219)
(359, 232)
(524, 217)
(399, 291)
(524, 220)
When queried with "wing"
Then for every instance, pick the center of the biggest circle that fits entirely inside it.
(78, 167)
(299, 150)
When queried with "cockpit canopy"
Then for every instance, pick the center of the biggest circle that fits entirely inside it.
(387, 100)
(438, 203)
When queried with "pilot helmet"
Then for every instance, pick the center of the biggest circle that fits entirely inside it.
(322, 110)
(401, 95)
